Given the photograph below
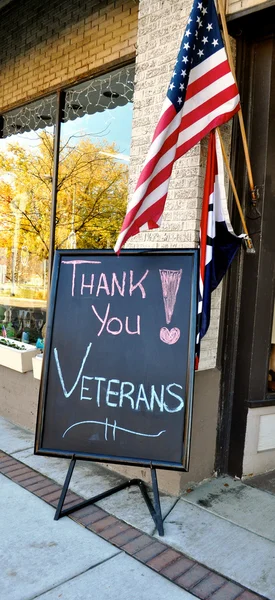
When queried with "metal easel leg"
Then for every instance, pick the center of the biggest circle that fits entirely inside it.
(155, 509)
(65, 489)
(159, 520)
(67, 511)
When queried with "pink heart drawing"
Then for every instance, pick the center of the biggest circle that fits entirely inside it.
(169, 336)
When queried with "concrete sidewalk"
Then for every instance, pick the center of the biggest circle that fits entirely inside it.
(42, 558)
(222, 529)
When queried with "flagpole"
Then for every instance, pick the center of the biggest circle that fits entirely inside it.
(233, 187)
(240, 113)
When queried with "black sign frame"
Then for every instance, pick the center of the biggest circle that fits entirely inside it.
(39, 449)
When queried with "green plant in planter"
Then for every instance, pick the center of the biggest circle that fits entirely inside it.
(11, 344)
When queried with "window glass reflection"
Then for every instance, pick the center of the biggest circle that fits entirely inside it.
(94, 161)
(92, 189)
(26, 167)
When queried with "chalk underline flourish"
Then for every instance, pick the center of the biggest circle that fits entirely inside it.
(115, 428)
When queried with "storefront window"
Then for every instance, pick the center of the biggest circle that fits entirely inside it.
(26, 167)
(94, 161)
(91, 193)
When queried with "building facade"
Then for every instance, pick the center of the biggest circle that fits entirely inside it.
(99, 71)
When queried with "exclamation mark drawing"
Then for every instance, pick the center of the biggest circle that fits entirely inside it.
(170, 281)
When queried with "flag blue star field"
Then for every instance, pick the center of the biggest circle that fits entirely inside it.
(218, 242)
(201, 96)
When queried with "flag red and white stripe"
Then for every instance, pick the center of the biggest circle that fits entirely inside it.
(198, 99)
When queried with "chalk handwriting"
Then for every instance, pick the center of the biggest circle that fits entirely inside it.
(79, 262)
(115, 428)
(103, 285)
(116, 394)
(119, 286)
(68, 394)
(83, 387)
(133, 286)
(90, 285)
(170, 281)
(117, 325)
(169, 336)
(97, 284)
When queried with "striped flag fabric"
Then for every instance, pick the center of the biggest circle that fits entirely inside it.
(202, 94)
(218, 242)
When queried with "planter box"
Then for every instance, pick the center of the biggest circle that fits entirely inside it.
(18, 360)
(37, 366)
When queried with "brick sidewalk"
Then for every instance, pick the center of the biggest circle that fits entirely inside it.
(175, 566)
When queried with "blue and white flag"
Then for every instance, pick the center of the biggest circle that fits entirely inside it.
(218, 242)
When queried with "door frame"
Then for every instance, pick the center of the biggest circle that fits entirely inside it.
(249, 290)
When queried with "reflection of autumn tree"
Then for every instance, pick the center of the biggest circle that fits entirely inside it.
(92, 195)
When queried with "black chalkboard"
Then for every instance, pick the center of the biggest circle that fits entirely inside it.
(117, 380)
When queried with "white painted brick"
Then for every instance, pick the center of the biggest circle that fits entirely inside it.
(235, 6)
(165, 20)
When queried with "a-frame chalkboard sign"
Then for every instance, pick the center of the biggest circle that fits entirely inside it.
(117, 379)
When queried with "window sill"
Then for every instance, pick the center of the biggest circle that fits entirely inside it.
(269, 400)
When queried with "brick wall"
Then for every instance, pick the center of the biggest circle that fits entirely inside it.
(233, 6)
(44, 45)
(164, 21)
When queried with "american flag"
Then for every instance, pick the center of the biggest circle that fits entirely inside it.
(3, 331)
(218, 242)
(202, 95)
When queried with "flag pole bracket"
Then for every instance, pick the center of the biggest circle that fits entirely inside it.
(255, 196)
(249, 245)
